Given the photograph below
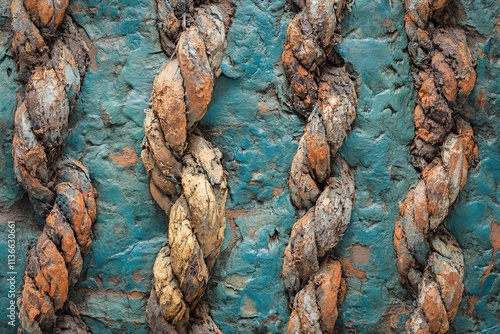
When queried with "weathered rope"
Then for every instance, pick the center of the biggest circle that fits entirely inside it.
(326, 95)
(53, 63)
(187, 179)
(429, 259)
(444, 75)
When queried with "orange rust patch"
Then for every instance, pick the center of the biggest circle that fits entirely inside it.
(76, 8)
(45, 12)
(435, 311)
(393, 316)
(109, 292)
(387, 22)
(481, 98)
(486, 272)
(135, 294)
(318, 154)
(126, 158)
(278, 191)
(330, 293)
(351, 271)
(495, 236)
(360, 254)
(471, 304)
(272, 318)
(236, 213)
(495, 242)
(113, 279)
(263, 108)
(446, 77)
(136, 276)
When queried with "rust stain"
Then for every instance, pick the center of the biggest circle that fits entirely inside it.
(360, 254)
(495, 242)
(135, 294)
(351, 271)
(113, 279)
(387, 23)
(393, 317)
(236, 213)
(137, 276)
(471, 304)
(76, 8)
(278, 191)
(227, 252)
(263, 108)
(271, 319)
(126, 158)
(481, 98)
(495, 236)
(101, 292)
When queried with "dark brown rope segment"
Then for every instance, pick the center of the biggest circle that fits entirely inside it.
(187, 179)
(321, 183)
(444, 75)
(429, 259)
(52, 60)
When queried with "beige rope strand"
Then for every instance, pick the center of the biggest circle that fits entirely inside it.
(187, 179)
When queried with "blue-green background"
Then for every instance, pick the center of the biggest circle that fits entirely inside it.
(250, 122)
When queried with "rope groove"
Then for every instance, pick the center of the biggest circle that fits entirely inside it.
(52, 59)
(321, 183)
(429, 259)
(187, 179)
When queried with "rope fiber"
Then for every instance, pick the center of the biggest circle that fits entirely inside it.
(187, 179)
(429, 259)
(321, 183)
(52, 58)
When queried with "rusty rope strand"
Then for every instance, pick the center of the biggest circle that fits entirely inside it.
(321, 183)
(186, 175)
(429, 259)
(53, 65)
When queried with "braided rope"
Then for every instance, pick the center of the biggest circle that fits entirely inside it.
(445, 76)
(429, 259)
(326, 95)
(187, 179)
(53, 65)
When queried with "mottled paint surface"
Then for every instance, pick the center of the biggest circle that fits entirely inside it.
(250, 122)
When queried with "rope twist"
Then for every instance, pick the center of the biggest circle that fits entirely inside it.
(429, 259)
(53, 63)
(187, 179)
(321, 183)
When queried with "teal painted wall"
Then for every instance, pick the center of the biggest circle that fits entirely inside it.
(250, 122)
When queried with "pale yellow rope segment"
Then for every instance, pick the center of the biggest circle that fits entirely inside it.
(187, 179)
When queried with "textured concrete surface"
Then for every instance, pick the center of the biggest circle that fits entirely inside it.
(250, 122)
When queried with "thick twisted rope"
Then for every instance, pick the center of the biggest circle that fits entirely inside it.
(429, 259)
(53, 64)
(326, 95)
(444, 75)
(186, 175)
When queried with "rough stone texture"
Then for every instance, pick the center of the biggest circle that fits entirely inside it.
(249, 122)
